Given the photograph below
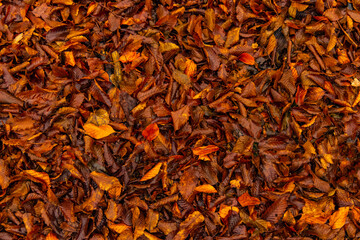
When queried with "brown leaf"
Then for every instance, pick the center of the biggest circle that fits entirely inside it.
(180, 117)
(107, 183)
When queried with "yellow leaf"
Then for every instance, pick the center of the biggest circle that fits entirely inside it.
(51, 236)
(107, 183)
(206, 188)
(98, 132)
(338, 219)
(152, 173)
(118, 227)
(168, 46)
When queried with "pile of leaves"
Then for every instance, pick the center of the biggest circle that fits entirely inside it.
(179, 119)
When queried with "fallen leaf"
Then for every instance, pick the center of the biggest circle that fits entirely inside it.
(206, 188)
(152, 173)
(151, 132)
(247, 59)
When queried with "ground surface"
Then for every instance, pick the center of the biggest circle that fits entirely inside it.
(179, 120)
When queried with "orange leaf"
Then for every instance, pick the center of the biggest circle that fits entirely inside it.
(338, 218)
(247, 59)
(247, 200)
(107, 183)
(98, 132)
(224, 211)
(205, 150)
(129, 56)
(190, 68)
(119, 227)
(69, 58)
(38, 176)
(51, 236)
(151, 132)
(152, 173)
(206, 188)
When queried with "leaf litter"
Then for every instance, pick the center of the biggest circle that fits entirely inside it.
(169, 119)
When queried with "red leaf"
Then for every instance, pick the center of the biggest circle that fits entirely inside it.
(151, 132)
(247, 59)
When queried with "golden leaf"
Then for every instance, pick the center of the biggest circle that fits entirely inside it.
(271, 45)
(151, 132)
(232, 37)
(190, 68)
(247, 200)
(65, 2)
(152, 173)
(224, 210)
(206, 188)
(118, 227)
(150, 236)
(91, 8)
(129, 56)
(51, 236)
(338, 218)
(289, 218)
(69, 58)
(98, 132)
(168, 46)
(107, 183)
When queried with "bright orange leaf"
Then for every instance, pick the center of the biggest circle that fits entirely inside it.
(151, 132)
(98, 132)
(152, 173)
(247, 59)
(205, 150)
(206, 188)
(247, 200)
